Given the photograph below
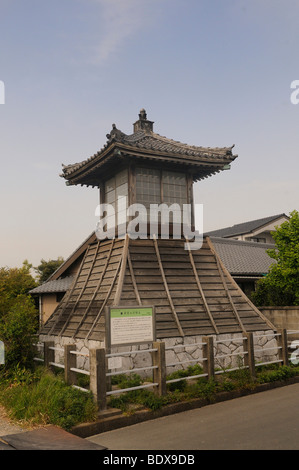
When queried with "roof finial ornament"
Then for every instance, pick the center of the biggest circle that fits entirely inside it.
(142, 114)
(143, 124)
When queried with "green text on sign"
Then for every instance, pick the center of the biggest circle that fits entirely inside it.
(131, 312)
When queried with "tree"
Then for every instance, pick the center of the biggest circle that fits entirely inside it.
(14, 282)
(17, 331)
(281, 285)
(18, 314)
(46, 268)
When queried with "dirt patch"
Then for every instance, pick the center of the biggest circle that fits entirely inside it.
(7, 426)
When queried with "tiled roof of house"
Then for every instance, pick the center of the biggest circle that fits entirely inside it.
(58, 285)
(244, 257)
(242, 228)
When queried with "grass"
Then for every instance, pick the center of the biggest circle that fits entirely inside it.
(41, 397)
(184, 390)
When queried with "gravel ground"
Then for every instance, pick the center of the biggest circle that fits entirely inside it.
(6, 426)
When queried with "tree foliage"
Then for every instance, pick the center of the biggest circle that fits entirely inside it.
(14, 282)
(46, 268)
(18, 314)
(281, 285)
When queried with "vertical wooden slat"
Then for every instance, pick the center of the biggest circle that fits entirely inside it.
(97, 358)
(159, 374)
(70, 361)
(166, 287)
(200, 289)
(282, 340)
(249, 356)
(208, 354)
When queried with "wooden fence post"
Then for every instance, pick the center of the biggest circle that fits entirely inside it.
(208, 354)
(70, 361)
(282, 341)
(49, 354)
(159, 374)
(97, 361)
(249, 360)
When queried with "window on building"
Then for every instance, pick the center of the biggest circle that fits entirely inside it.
(59, 296)
(157, 187)
(257, 239)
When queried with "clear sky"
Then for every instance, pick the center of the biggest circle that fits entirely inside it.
(208, 72)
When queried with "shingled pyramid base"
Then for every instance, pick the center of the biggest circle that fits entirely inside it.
(193, 293)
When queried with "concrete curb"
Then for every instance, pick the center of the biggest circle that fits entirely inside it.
(117, 420)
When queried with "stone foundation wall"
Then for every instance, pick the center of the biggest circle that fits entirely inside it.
(187, 350)
(81, 346)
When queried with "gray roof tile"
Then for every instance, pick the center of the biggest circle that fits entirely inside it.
(245, 227)
(243, 257)
(59, 285)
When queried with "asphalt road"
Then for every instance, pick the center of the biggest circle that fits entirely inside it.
(263, 421)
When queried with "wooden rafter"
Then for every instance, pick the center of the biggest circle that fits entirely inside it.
(97, 288)
(166, 288)
(133, 278)
(122, 271)
(82, 289)
(105, 302)
(65, 301)
(200, 289)
(108, 293)
(221, 272)
(257, 311)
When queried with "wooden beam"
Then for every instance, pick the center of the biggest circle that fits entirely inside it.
(200, 288)
(257, 311)
(82, 289)
(68, 295)
(166, 288)
(122, 271)
(97, 288)
(105, 301)
(221, 269)
(133, 278)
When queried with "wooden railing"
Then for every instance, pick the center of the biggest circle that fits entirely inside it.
(100, 375)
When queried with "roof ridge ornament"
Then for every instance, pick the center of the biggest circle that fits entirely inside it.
(115, 135)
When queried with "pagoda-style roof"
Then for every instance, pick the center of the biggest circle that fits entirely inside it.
(145, 145)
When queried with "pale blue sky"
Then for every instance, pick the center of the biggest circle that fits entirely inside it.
(208, 72)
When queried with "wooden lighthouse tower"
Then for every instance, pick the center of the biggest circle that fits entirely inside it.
(192, 292)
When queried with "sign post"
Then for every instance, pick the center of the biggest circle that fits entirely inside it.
(2, 354)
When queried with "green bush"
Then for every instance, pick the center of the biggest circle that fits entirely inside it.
(16, 331)
(281, 373)
(126, 381)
